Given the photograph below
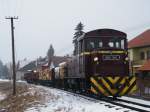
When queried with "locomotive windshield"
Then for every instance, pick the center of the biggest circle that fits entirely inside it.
(96, 43)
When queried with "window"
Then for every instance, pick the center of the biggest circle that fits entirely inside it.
(148, 74)
(122, 44)
(142, 55)
(93, 43)
(111, 44)
(96, 43)
(90, 45)
(81, 64)
(148, 54)
(100, 44)
(80, 47)
(117, 44)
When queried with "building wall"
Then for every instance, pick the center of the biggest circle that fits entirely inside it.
(135, 57)
(20, 75)
(134, 53)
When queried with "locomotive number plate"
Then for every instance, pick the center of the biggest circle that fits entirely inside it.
(111, 57)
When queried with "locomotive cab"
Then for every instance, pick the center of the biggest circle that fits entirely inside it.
(103, 53)
(108, 56)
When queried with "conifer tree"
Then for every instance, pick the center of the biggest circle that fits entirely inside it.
(50, 53)
(77, 34)
(78, 31)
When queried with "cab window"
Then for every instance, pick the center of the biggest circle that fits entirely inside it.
(100, 44)
(116, 43)
(111, 44)
(93, 44)
(96, 43)
(122, 44)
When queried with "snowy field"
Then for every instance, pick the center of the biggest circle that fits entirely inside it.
(59, 101)
(54, 100)
(2, 96)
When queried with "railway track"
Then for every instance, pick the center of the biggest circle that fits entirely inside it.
(135, 103)
(111, 103)
(128, 104)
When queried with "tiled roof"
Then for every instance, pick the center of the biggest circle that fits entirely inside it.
(34, 65)
(145, 67)
(43, 62)
(141, 40)
(30, 66)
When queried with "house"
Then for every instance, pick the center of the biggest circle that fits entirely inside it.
(139, 51)
(26, 68)
(139, 55)
(56, 60)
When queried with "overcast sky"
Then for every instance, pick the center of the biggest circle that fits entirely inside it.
(45, 22)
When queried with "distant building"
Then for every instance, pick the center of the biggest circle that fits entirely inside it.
(37, 65)
(56, 60)
(139, 55)
(26, 68)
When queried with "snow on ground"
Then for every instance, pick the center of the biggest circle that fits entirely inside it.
(21, 81)
(6, 80)
(26, 96)
(59, 101)
(2, 96)
(33, 98)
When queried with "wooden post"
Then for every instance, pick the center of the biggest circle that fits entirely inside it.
(13, 53)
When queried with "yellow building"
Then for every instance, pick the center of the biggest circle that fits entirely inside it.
(139, 51)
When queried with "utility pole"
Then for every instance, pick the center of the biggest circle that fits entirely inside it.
(13, 53)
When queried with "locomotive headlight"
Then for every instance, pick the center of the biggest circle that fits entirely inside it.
(34, 71)
(95, 58)
(126, 58)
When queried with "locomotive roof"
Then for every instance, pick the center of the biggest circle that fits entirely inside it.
(103, 33)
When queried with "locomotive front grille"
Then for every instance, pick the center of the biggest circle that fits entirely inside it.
(113, 86)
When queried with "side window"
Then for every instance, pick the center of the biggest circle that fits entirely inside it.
(80, 46)
(142, 55)
(80, 64)
(148, 54)
(122, 44)
(91, 45)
